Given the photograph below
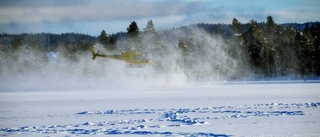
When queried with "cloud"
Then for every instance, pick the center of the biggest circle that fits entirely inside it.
(17, 16)
(304, 15)
(49, 14)
(98, 10)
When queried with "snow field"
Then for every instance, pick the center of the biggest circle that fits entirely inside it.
(286, 109)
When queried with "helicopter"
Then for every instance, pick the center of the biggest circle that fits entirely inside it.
(131, 57)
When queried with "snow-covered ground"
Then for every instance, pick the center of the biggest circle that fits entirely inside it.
(223, 109)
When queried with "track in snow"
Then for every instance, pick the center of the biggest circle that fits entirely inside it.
(167, 122)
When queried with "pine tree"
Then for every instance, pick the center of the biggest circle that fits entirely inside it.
(239, 50)
(285, 56)
(104, 39)
(312, 46)
(268, 47)
(315, 32)
(309, 50)
(254, 45)
(300, 51)
(149, 27)
(133, 29)
(236, 26)
(271, 26)
(133, 39)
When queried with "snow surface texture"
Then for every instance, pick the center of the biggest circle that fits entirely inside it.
(286, 109)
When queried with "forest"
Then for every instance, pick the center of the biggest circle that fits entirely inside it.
(233, 51)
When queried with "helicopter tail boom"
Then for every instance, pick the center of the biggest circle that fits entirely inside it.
(94, 55)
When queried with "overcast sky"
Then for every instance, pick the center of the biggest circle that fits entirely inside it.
(92, 16)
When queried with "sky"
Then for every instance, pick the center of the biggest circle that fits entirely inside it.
(93, 16)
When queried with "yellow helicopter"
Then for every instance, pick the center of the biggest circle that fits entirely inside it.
(131, 57)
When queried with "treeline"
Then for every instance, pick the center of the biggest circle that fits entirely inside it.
(44, 41)
(264, 49)
(267, 49)
(278, 50)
